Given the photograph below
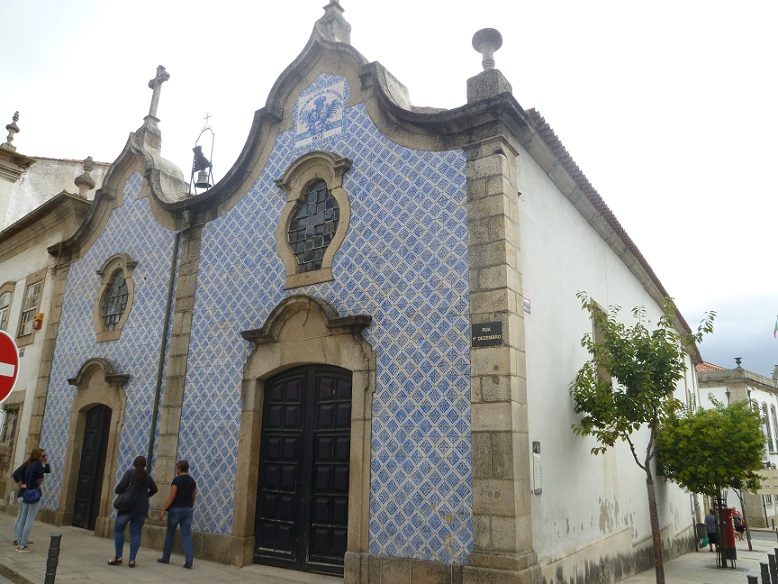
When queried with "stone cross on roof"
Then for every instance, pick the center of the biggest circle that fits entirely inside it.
(156, 85)
(149, 131)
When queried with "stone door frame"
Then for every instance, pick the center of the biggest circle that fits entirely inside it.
(303, 330)
(98, 383)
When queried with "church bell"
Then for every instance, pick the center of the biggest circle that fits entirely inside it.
(202, 180)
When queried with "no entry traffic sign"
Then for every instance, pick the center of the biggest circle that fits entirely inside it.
(9, 365)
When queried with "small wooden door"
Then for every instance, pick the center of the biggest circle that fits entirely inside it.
(90, 472)
(302, 498)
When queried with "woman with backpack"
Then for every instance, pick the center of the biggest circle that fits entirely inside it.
(28, 478)
(144, 488)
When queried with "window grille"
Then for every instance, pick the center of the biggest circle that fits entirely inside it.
(313, 226)
(115, 300)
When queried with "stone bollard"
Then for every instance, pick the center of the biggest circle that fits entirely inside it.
(765, 573)
(53, 559)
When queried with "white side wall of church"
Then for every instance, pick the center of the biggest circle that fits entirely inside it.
(582, 494)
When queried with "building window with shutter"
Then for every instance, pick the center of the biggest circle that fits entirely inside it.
(5, 307)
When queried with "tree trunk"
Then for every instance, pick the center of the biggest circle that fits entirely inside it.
(656, 535)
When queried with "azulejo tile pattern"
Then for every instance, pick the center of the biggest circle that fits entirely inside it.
(131, 229)
(404, 261)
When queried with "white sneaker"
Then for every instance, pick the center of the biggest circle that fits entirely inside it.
(23, 550)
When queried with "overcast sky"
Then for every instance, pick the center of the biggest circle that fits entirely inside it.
(670, 108)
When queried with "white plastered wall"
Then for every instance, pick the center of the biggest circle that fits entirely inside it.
(16, 269)
(591, 507)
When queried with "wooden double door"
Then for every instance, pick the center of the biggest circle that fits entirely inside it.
(302, 496)
(92, 467)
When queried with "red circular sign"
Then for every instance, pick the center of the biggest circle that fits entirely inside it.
(9, 365)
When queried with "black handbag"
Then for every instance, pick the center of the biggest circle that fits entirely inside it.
(125, 501)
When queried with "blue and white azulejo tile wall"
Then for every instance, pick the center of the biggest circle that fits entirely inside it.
(131, 229)
(404, 261)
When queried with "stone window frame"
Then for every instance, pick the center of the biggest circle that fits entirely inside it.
(7, 288)
(766, 429)
(119, 261)
(597, 337)
(36, 278)
(301, 174)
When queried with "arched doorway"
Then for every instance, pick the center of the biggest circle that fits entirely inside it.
(89, 485)
(302, 495)
(92, 450)
(305, 335)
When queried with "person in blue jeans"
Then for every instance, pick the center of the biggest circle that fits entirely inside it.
(180, 510)
(30, 473)
(134, 478)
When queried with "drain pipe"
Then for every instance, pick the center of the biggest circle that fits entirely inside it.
(163, 345)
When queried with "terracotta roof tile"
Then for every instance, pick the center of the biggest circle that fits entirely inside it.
(706, 367)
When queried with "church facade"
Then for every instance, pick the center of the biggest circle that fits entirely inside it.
(362, 339)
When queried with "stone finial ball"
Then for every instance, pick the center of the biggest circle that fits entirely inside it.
(487, 40)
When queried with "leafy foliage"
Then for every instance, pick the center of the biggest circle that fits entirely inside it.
(710, 450)
(645, 367)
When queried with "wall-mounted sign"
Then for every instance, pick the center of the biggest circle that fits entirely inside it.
(537, 473)
(486, 334)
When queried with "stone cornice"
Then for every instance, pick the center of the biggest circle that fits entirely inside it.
(19, 161)
(337, 324)
(109, 373)
(48, 216)
(736, 376)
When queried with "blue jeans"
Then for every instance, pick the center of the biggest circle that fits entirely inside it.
(23, 525)
(136, 523)
(182, 516)
(19, 522)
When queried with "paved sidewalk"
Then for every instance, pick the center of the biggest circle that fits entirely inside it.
(83, 559)
(700, 567)
(84, 556)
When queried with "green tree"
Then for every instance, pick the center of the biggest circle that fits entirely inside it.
(706, 451)
(629, 383)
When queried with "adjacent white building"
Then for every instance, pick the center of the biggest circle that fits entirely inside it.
(37, 210)
(730, 385)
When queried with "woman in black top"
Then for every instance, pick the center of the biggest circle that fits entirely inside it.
(180, 507)
(145, 487)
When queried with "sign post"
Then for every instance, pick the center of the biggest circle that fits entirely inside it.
(9, 365)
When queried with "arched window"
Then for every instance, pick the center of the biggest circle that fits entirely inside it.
(114, 297)
(313, 223)
(774, 420)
